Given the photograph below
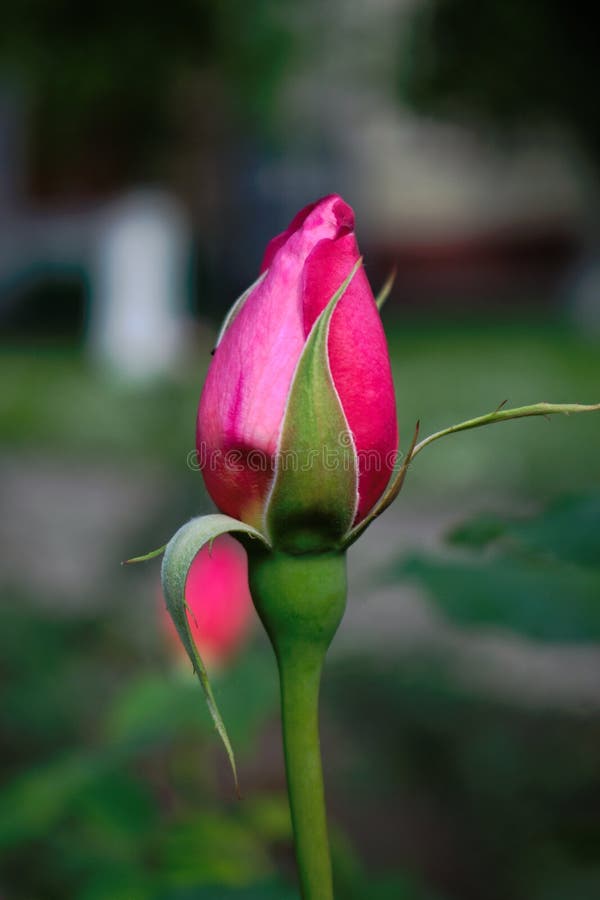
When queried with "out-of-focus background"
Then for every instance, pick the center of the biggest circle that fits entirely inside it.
(147, 154)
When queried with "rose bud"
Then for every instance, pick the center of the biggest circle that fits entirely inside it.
(296, 430)
(217, 596)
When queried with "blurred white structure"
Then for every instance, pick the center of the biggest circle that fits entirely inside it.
(133, 258)
(138, 285)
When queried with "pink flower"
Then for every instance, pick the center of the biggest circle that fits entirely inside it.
(256, 385)
(218, 598)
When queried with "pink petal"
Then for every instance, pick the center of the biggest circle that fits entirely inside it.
(279, 240)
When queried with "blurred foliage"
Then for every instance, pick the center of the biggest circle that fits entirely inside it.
(515, 790)
(108, 766)
(568, 530)
(100, 78)
(509, 62)
(539, 577)
(495, 801)
(538, 599)
(54, 398)
(109, 775)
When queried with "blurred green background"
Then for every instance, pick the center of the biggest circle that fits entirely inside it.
(146, 156)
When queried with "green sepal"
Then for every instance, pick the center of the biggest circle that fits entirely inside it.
(315, 490)
(179, 555)
(139, 559)
(385, 291)
(392, 490)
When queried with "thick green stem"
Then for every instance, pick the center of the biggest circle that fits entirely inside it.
(300, 679)
(301, 601)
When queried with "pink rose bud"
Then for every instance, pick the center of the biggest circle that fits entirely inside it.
(297, 432)
(219, 603)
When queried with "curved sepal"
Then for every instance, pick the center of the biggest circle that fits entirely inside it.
(179, 555)
(385, 291)
(146, 556)
(315, 490)
(391, 492)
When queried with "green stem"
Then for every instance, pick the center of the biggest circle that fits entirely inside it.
(499, 415)
(503, 415)
(300, 678)
(301, 601)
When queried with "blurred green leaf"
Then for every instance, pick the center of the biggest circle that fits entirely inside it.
(262, 891)
(478, 532)
(540, 599)
(269, 815)
(212, 847)
(118, 883)
(47, 710)
(154, 708)
(31, 804)
(568, 529)
(539, 576)
(395, 887)
(248, 694)
(118, 807)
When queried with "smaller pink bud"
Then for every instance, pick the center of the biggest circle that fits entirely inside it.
(220, 606)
